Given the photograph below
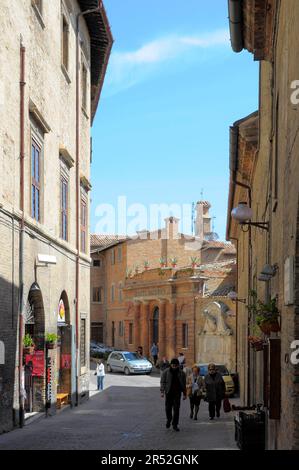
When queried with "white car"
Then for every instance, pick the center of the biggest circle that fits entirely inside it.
(128, 363)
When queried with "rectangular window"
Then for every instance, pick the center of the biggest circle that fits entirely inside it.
(130, 333)
(112, 293)
(185, 335)
(84, 86)
(120, 293)
(112, 257)
(97, 294)
(83, 342)
(119, 254)
(121, 328)
(65, 42)
(35, 180)
(97, 332)
(83, 225)
(64, 208)
(96, 263)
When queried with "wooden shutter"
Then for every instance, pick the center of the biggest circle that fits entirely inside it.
(275, 379)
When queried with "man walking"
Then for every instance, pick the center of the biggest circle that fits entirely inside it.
(173, 384)
(154, 353)
(215, 391)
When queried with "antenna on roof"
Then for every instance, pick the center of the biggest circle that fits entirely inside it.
(193, 218)
(201, 194)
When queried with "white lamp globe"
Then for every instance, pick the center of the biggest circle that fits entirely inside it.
(242, 212)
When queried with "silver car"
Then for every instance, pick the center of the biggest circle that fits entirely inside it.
(128, 363)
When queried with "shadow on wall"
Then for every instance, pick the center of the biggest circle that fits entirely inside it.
(8, 345)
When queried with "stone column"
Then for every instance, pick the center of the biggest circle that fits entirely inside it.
(145, 328)
(162, 331)
(171, 333)
(136, 324)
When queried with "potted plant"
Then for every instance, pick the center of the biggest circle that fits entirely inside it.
(256, 342)
(136, 269)
(28, 344)
(146, 265)
(162, 262)
(129, 273)
(174, 262)
(51, 339)
(266, 314)
(194, 261)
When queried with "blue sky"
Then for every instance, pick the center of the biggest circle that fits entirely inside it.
(173, 88)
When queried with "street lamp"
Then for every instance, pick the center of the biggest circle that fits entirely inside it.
(243, 215)
(234, 297)
(267, 273)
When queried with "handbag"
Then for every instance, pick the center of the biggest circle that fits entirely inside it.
(226, 405)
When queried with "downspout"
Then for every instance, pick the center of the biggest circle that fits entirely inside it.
(234, 139)
(79, 15)
(235, 15)
(22, 232)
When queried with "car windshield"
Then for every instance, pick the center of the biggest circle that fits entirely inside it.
(220, 368)
(131, 357)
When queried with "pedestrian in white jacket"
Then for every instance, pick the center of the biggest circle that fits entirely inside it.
(100, 371)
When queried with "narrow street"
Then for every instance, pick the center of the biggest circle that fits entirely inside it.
(128, 414)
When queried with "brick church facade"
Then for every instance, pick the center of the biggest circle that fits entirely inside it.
(166, 287)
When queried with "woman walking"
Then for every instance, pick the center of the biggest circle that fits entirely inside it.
(215, 391)
(195, 385)
(100, 371)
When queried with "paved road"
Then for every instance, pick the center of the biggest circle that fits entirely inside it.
(128, 414)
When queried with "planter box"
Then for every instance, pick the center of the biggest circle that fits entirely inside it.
(50, 345)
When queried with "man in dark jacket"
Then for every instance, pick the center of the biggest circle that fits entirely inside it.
(215, 390)
(173, 384)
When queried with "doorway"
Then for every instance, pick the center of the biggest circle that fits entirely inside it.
(156, 325)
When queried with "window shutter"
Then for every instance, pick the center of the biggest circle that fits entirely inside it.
(275, 379)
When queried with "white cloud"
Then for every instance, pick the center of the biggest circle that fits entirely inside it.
(129, 68)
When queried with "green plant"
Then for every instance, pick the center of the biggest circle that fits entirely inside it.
(174, 261)
(194, 260)
(28, 341)
(264, 313)
(162, 261)
(146, 264)
(51, 338)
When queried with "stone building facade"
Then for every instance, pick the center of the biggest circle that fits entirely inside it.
(53, 62)
(147, 297)
(264, 168)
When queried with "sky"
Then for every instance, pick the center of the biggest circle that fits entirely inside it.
(161, 134)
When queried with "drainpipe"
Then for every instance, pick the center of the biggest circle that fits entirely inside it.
(22, 231)
(79, 15)
(234, 138)
(235, 14)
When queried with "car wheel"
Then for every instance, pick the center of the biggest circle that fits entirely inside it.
(126, 371)
(109, 368)
(148, 373)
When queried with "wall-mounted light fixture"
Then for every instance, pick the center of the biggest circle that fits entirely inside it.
(243, 215)
(267, 272)
(234, 297)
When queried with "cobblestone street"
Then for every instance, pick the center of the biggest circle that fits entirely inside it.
(128, 414)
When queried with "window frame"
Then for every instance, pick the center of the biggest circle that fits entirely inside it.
(112, 292)
(64, 212)
(83, 224)
(84, 86)
(65, 41)
(99, 289)
(36, 184)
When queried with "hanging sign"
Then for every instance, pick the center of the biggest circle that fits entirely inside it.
(61, 313)
(37, 360)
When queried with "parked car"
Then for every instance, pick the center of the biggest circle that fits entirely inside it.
(99, 350)
(228, 380)
(128, 363)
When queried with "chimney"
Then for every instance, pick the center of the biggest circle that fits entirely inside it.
(203, 219)
(172, 228)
